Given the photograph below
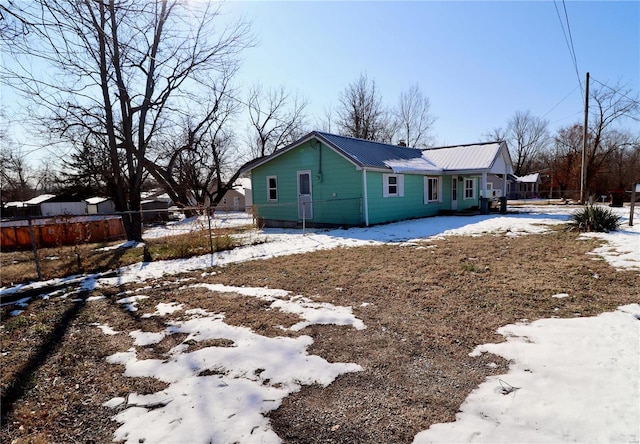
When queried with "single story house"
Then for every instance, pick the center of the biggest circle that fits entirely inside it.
(525, 187)
(235, 199)
(325, 179)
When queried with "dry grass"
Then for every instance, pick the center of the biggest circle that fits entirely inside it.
(19, 266)
(426, 306)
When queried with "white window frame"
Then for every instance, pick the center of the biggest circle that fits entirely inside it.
(438, 189)
(399, 185)
(270, 188)
(468, 180)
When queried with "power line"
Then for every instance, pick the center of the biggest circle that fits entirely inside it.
(616, 91)
(569, 40)
(563, 99)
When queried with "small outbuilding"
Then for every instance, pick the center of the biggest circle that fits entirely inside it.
(100, 205)
(56, 205)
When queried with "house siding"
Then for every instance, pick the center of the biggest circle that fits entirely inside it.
(410, 205)
(336, 186)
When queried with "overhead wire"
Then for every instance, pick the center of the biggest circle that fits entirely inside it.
(569, 41)
(562, 100)
(616, 91)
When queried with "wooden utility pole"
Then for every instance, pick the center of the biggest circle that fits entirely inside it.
(583, 173)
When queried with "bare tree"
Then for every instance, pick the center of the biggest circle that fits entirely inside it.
(563, 160)
(361, 113)
(527, 136)
(414, 119)
(17, 178)
(192, 164)
(123, 71)
(276, 119)
(609, 106)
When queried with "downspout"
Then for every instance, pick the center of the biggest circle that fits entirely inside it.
(365, 206)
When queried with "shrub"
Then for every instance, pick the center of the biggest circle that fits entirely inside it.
(594, 218)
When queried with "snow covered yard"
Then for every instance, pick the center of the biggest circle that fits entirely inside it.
(220, 379)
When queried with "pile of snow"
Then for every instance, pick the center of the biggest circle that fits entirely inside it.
(571, 380)
(219, 393)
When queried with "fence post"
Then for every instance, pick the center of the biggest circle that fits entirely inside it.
(35, 248)
(209, 212)
(633, 202)
(304, 211)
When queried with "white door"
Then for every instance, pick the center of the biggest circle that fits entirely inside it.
(305, 206)
(454, 192)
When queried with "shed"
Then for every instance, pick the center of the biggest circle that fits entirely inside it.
(155, 210)
(56, 205)
(100, 205)
(325, 179)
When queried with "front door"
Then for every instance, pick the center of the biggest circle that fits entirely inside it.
(454, 192)
(305, 206)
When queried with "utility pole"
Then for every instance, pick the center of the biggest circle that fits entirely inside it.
(583, 173)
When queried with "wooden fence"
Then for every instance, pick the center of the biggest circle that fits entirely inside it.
(59, 230)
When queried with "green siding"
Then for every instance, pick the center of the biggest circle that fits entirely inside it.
(336, 186)
(337, 190)
(411, 205)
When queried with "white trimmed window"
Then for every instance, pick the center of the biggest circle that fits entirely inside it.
(272, 188)
(393, 185)
(432, 189)
(469, 188)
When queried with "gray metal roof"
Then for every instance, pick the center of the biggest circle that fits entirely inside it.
(367, 153)
(399, 159)
(479, 156)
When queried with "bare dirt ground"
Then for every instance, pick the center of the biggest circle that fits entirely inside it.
(426, 307)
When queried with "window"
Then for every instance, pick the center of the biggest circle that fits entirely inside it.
(393, 185)
(272, 188)
(432, 191)
(469, 189)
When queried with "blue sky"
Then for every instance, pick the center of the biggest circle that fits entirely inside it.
(478, 62)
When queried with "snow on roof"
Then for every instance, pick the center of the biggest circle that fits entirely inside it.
(39, 199)
(529, 178)
(96, 200)
(17, 204)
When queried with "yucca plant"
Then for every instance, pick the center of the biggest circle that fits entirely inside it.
(594, 218)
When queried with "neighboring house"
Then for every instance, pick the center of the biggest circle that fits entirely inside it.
(327, 180)
(100, 205)
(496, 185)
(525, 187)
(235, 198)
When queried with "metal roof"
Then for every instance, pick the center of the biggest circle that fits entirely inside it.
(478, 156)
(367, 153)
(400, 159)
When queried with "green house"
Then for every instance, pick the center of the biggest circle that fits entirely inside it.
(324, 179)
